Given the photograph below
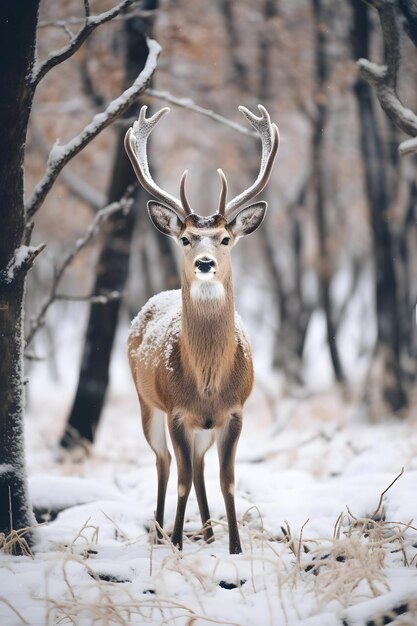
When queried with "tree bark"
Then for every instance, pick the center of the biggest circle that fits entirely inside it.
(112, 267)
(18, 22)
(318, 164)
(385, 387)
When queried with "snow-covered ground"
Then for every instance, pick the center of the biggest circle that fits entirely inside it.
(310, 472)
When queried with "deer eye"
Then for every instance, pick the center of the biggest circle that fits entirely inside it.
(185, 241)
(225, 241)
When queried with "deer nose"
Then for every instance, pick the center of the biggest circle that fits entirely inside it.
(205, 265)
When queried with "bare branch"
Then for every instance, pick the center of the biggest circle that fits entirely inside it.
(124, 204)
(87, 8)
(60, 155)
(407, 147)
(90, 24)
(384, 77)
(101, 298)
(76, 185)
(83, 190)
(381, 497)
(73, 21)
(187, 103)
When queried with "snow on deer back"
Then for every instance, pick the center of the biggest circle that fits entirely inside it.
(188, 353)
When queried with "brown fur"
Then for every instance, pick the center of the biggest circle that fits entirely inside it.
(194, 362)
(207, 379)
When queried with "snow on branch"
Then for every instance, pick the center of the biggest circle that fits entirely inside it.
(384, 77)
(80, 188)
(90, 24)
(409, 146)
(21, 261)
(124, 204)
(61, 154)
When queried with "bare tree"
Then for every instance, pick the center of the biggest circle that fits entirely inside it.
(325, 270)
(385, 385)
(19, 77)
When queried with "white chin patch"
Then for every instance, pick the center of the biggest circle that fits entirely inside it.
(204, 290)
(205, 275)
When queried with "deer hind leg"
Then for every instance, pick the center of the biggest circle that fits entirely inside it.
(227, 439)
(154, 431)
(183, 453)
(202, 442)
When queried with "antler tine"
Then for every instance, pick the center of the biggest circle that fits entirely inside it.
(223, 193)
(184, 200)
(136, 140)
(269, 135)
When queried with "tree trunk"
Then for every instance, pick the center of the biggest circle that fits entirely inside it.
(112, 267)
(385, 387)
(18, 22)
(318, 165)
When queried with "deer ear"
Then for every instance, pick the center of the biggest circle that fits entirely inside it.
(165, 219)
(248, 219)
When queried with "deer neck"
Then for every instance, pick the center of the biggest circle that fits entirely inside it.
(208, 342)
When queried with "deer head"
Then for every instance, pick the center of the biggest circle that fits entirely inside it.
(206, 242)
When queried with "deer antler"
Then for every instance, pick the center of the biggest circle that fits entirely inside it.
(269, 135)
(136, 141)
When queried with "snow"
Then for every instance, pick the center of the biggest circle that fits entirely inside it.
(163, 316)
(302, 462)
(21, 255)
(409, 146)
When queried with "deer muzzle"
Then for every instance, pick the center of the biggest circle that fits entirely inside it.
(205, 267)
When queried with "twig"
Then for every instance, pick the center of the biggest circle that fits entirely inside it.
(384, 77)
(187, 103)
(104, 214)
(81, 20)
(60, 155)
(102, 298)
(90, 24)
(377, 510)
(15, 611)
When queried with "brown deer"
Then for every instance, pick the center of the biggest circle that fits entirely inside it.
(188, 353)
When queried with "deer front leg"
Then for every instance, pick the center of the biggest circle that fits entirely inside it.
(202, 442)
(183, 450)
(154, 431)
(227, 439)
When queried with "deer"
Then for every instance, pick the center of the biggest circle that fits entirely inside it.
(188, 352)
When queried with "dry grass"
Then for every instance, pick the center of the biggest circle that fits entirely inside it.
(340, 571)
(344, 568)
(16, 543)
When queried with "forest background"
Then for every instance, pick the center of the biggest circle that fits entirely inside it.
(327, 288)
